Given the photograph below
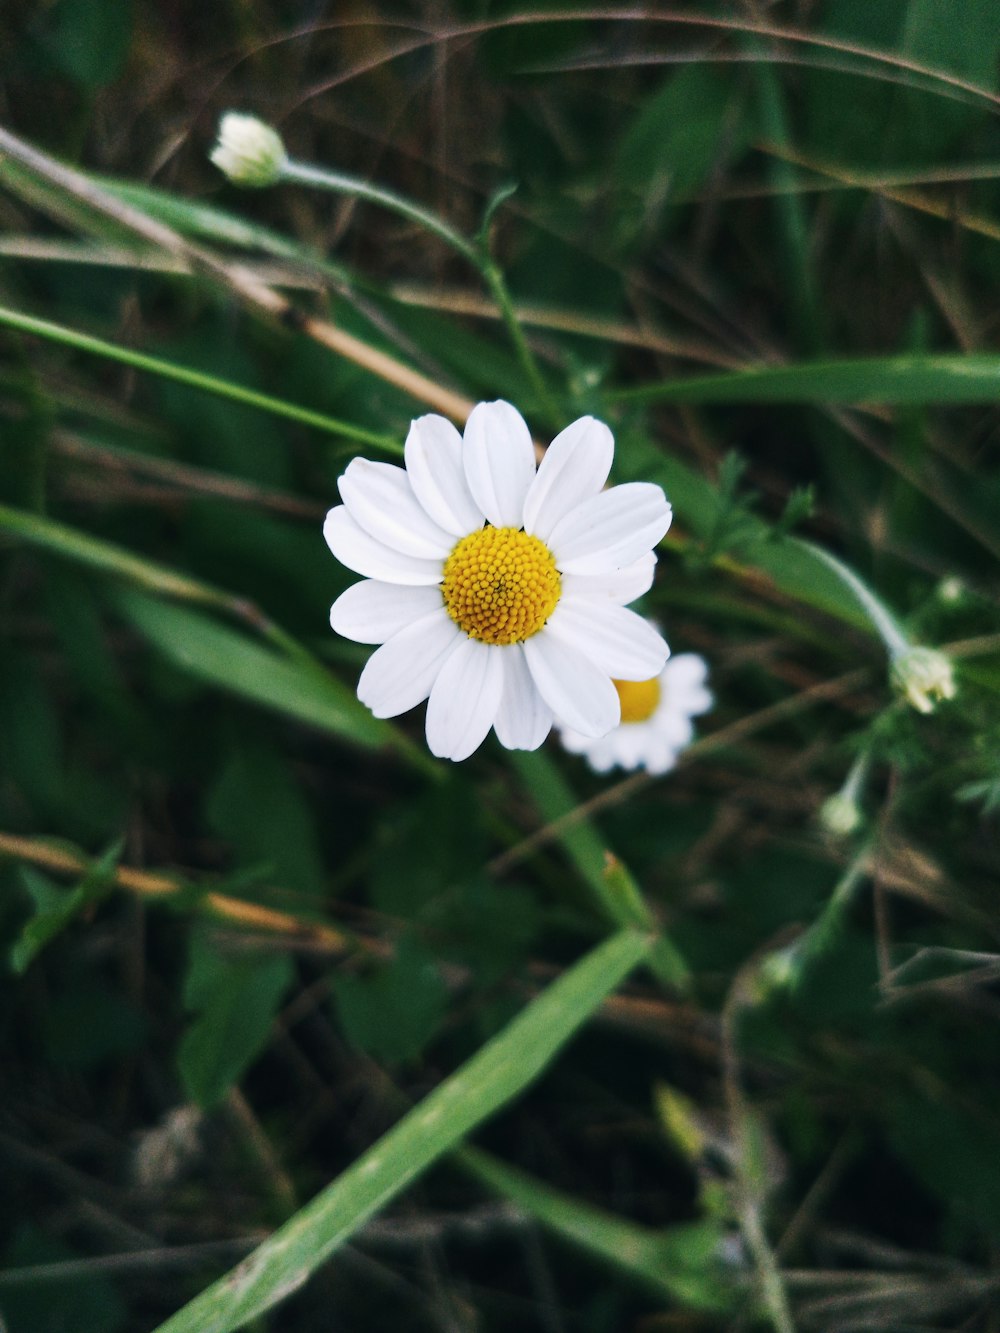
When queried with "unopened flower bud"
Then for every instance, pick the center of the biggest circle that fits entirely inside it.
(923, 676)
(951, 590)
(248, 152)
(840, 815)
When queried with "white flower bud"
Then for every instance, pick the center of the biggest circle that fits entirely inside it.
(951, 590)
(840, 815)
(248, 152)
(923, 676)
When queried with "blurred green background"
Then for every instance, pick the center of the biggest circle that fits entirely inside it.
(810, 1129)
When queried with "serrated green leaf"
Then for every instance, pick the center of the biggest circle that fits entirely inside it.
(56, 907)
(682, 1262)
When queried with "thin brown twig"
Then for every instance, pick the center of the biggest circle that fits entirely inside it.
(252, 916)
(630, 786)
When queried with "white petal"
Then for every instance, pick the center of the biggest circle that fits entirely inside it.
(684, 684)
(615, 639)
(372, 612)
(675, 729)
(661, 757)
(524, 719)
(354, 548)
(621, 586)
(464, 700)
(575, 467)
(610, 530)
(580, 695)
(380, 499)
(401, 673)
(499, 462)
(434, 465)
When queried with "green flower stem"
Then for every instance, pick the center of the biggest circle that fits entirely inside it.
(339, 183)
(58, 333)
(856, 778)
(878, 613)
(304, 174)
(494, 279)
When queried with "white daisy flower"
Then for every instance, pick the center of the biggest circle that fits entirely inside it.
(497, 591)
(656, 719)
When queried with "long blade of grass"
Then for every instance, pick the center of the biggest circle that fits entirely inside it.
(946, 378)
(496, 1073)
(196, 379)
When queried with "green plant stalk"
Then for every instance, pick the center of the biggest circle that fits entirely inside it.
(486, 1082)
(617, 895)
(888, 627)
(305, 174)
(83, 342)
(495, 282)
(302, 173)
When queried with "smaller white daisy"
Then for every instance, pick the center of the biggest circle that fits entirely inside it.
(656, 719)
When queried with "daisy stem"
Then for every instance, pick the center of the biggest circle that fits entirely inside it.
(856, 778)
(494, 279)
(338, 182)
(878, 613)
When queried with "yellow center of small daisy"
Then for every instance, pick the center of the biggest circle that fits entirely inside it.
(500, 585)
(639, 698)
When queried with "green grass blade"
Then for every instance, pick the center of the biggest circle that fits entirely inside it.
(196, 379)
(947, 378)
(496, 1073)
(84, 549)
(681, 1262)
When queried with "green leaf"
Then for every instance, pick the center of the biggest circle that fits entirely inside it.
(55, 907)
(225, 658)
(395, 1013)
(495, 1074)
(258, 807)
(682, 1262)
(675, 140)
(235, 999)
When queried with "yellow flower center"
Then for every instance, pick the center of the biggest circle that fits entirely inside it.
(500, 585)
(639, 698)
